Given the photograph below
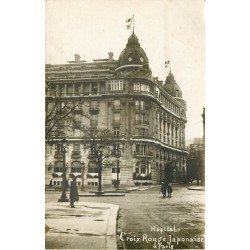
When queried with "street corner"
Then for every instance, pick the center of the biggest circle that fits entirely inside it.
(87, 218)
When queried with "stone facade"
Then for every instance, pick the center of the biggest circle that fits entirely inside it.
(146, 117)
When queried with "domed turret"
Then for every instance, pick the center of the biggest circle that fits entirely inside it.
(172, 87)
(133, 56)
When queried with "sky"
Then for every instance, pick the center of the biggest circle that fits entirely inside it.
(167, 30)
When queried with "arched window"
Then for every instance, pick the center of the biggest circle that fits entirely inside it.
(58, 167)
(76, 167)
(92, 167)
(141, 167)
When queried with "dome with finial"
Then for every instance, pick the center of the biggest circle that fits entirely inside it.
(172, 87)
(133, 56)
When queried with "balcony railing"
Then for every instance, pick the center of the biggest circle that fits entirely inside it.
(140, 109)
(143, 154)
(141, 122)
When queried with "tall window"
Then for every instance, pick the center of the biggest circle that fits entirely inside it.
(116, 85)
(117, 104)
(137, 86)
(94, 105)
(76, 167)
(137, 118)
(77, 89)
(141, 87)
(116, 131)
(58, 167)
(142, 167)
(116, 148)
(141, 149)
(140, 105)
(94, 88)
(141, 118)
(69, 89)
(117, 117)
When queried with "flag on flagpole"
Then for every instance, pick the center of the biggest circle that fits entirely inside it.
(129, 22)
(167, 63)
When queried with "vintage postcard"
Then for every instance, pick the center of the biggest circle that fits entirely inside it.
(125, 124)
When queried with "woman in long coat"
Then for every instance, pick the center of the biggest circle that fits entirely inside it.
(164, 188)
(73, 192)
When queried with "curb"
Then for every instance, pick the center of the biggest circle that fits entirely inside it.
(101, 195)
(111, 242)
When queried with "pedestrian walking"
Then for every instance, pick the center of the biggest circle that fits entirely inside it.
(164, 188)
(51, 183)
(170, 189)
(73, 192)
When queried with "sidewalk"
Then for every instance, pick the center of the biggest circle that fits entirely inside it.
(115, 192)
(88, 226)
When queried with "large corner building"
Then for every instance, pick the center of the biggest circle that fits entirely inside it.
(146, 116)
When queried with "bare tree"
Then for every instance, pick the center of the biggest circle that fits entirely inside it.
(60, 112)
(96, 139)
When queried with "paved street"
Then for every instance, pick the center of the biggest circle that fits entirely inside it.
(147, 221)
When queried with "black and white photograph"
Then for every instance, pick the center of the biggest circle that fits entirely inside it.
(124, 124)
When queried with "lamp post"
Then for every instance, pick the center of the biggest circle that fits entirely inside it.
(117, 172)
(99, 157)
(83, 168)
(203, 149)
(63, 197)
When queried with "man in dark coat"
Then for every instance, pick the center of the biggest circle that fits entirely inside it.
(170, 189)
(73, 192)
(164, 188)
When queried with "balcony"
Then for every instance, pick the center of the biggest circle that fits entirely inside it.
(76, 155)
(58, 155)
(139, 109)
(148, 154)
(141, 122)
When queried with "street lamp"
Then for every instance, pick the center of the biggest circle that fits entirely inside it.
(83, 167)
(117, 168)
(99, 154)
(63, 197)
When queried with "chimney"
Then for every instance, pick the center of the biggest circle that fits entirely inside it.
(77, 58)
(111, 54)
